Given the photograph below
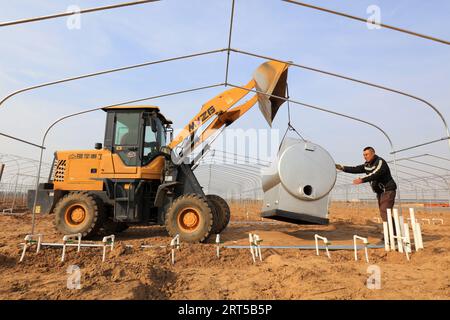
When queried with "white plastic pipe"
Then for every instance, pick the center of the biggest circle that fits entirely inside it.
(105, 242)
(386, 236)
(398, 231)
(419, 235)
(250, 239)
(174, 243)
(258, 240)
(67, 238)
(402, 224)
(414, 228)
(391, 229)
(403, 240)
(325, 241)
(29, 242)
(407, 238)
(426, 219)
(40, 236)
(365, 242)
(218, 245)
(438, 219)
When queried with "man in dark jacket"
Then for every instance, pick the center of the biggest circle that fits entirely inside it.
(379, 175)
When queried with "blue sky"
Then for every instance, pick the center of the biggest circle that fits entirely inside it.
(45, 51)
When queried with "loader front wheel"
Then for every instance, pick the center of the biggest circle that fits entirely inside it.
(222, 212)
(191, 217)
(78, 212)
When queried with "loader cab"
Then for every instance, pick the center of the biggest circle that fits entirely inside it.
(136, 133)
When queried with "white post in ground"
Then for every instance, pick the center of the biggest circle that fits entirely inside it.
(402, 224)
(218, 245)
(365, 242)
(417, 232)
(419, 235)
(391, 229)
(111, 238)
(325, 241)
(386, 236)
(258, 240)
(174, 243)
(403, 240)
(68, 238)
(398, 231)
(255, 248)
(40, 236)
(407, 238)
(29, 241)
(413, 220)
(250, 239)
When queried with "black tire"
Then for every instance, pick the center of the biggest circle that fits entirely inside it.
(190, 216)
(222, 210)
(216, 211)
(87, 220)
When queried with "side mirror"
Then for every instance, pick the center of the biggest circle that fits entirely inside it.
(98, 146)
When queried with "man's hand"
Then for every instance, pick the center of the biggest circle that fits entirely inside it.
(357, 181)
(339, 167)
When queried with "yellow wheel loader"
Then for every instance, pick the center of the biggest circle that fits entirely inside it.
(142, 175)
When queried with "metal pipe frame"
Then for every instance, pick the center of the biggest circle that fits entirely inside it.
(227, 171)
(252, 54)
(346, 15)
(21, 140)
(258, 160)
(233, 178)
(229, 42)
(436, 175)
(228, 50)
(107, 71)
(65, 14)
(413, 187)
(367, 83)
(236, 182)
(422, 144)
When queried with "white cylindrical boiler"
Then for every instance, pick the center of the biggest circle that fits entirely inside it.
(297, 184)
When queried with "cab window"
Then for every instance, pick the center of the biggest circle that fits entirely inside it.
(153, 141)
(127, 129)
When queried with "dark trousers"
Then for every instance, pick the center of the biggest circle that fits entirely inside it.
(386, 201)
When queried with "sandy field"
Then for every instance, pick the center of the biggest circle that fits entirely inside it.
(133, 273)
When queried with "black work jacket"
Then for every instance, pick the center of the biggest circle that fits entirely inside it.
(378, 174)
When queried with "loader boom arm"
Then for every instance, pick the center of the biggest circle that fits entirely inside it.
(217, 106)
(270, 78)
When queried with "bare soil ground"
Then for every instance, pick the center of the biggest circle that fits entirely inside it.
(132, 273)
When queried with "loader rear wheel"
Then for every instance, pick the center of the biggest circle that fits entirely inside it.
(222, 212)
(79, 212)
(191, 217)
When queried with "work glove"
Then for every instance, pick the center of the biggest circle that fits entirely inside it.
(339, 167)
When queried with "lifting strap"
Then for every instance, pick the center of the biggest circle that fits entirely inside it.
(290, 127)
